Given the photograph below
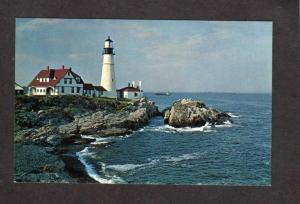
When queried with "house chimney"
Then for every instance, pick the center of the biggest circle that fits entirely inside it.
(132, 83)
(140, 85)
(128, 84)
(48, 68)
(70, 68)
(63, 66)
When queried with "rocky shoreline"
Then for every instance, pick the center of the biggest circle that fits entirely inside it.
(50, 130)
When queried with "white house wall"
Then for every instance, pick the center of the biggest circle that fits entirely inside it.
(95, 93)
(39, 91)
(68, 86)
(131, 95)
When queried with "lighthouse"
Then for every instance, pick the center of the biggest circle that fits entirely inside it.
(108, 80)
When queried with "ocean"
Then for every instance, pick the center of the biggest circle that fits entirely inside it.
(237, 153)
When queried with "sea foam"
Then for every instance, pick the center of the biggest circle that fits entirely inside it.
(232, 115)
(227, 123)
(124, 167)
(129, 167)
(169, 129)
(91, 171)
(184, 157)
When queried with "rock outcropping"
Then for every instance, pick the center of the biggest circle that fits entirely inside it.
(193, 113)
(53, 120)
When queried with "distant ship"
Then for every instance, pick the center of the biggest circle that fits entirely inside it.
(163, 94)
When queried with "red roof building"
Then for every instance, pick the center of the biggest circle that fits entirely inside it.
(100, 88)
(130, 89)
(130, 92)
(91, 90)
(61, 81)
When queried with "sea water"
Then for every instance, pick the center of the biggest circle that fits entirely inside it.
(237, 153)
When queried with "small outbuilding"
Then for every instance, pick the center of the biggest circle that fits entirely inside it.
(95, 91)
(19, 90)
(130, 92)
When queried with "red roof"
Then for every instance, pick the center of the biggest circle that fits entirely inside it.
(88, 87)
(92, 87)
(129, 89)
(100, 88)
(54, 75)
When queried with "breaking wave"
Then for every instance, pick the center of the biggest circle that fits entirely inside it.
(227, 123)
(232, 115)
(129, 167)
(104, 140)
(205, 128)
(124, 167)
(184, 157)
(92, 172)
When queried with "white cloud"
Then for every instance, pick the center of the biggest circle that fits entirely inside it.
(34, 23)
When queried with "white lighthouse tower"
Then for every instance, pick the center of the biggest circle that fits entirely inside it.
(108, 80)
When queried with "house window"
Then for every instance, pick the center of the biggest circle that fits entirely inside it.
(89, 91)
(78, 89)
(101, 92)
(135, 94)
(70, 81)
(68, 73)
(65, 81)
(44, 90)
(63, 89)
(72, 89)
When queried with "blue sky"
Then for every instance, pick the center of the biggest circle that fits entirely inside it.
(174, 55)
